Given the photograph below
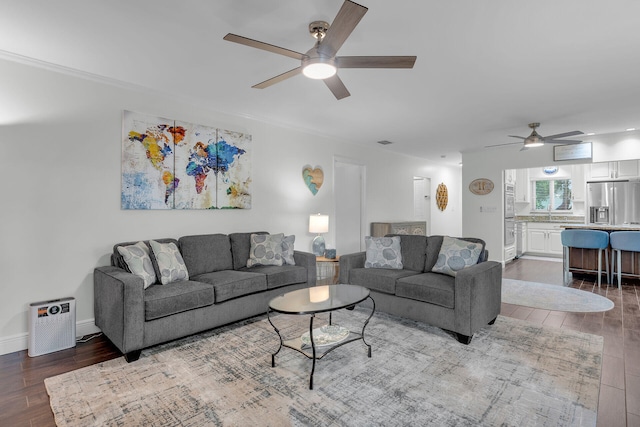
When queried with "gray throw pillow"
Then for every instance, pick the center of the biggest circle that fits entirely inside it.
(383, 252)
(139, 262)
(287, 249)
(455, 255)
(266, 249)
(170, 262)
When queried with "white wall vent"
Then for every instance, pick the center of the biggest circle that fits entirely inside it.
(52, 326)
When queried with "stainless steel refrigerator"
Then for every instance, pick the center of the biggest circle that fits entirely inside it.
(613, 202)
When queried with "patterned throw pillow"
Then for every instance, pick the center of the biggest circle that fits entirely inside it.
(383, 252)
(139, 262)
(456, 254)
(170, 262)
(287, 249)
(266, 249)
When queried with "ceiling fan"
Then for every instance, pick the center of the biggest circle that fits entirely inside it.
(537, 140)
(321, 62)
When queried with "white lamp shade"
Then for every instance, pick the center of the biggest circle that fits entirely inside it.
(319, 224)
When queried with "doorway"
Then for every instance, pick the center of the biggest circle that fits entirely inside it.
(422, 201)
(349, 190)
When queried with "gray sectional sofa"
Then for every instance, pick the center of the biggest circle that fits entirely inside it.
(462, 304)
(221, 289)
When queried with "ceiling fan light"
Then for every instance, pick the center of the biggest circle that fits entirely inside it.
(319, 68)
(533, 141)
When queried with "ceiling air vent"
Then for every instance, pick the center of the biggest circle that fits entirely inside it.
(385, 142)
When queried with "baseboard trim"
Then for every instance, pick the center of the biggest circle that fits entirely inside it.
(20, 342)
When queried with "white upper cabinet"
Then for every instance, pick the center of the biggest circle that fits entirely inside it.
(522, 186)
(509, 176)
(623, 169)
(578, 183)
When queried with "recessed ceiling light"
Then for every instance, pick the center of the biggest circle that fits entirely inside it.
(630, 129)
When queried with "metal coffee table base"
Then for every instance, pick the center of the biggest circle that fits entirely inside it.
(316, 354)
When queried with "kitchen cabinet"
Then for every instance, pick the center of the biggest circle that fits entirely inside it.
(509, 176)
(624, 169)
(544, 239)
(578, 184)
(522, 186)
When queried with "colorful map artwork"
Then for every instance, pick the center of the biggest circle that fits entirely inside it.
(179, 165)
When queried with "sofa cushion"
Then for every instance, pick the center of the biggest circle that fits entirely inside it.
(432, 288)
(378, 279)
(229, 284)
(266, 249)
(383, 252)
(206, 253)
(170, 263)
(433, 250)
(240, 246)
(414, 249)
(139, 262)
(118, 261)
(455, 255)
(176, 297)
(288, 250)
(280, 276)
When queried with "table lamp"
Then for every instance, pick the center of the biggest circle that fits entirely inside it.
(318, 224)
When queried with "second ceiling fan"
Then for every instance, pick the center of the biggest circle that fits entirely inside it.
(537, 140)
(321, 62)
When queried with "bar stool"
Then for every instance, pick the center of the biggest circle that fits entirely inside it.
(623, 241)
(585, 239)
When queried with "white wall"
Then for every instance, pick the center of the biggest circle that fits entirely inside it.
(490, 163)
(61, 146)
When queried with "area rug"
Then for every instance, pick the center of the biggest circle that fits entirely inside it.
(513, 373)
(552, 297)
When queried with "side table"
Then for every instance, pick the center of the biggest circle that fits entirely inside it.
(328, 270)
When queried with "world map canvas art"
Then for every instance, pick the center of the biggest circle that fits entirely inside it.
(169, 164)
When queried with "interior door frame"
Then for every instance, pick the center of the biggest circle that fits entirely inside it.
(363, 199)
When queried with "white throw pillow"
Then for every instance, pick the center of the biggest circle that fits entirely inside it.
(455, 255)
(266, 249)
(170, 262)
(383, 252)
(139, 262)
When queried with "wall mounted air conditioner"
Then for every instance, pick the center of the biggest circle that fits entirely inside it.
(52, 326)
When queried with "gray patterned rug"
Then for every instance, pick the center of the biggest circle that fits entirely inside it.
(513, 373)
(552, 297)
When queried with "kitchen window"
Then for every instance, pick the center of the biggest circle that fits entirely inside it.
(552, 195)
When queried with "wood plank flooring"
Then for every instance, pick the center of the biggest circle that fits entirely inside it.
(24, 400)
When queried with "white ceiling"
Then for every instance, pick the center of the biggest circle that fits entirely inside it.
(485, 69)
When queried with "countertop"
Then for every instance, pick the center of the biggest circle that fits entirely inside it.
(554, 219)
(603, 227)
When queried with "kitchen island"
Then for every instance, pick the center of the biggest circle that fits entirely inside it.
(586, 260)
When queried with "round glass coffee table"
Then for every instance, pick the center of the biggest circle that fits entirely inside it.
(316, 343)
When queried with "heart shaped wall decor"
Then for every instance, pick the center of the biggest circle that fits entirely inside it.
(313, 178)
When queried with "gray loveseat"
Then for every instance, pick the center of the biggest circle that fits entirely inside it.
(462, 304)
(220, 290)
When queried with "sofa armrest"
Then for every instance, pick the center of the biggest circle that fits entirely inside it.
(349, 262)
(307, 260)
(478, 296)
(119, 307)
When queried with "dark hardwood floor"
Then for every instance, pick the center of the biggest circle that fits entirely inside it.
(24, 400)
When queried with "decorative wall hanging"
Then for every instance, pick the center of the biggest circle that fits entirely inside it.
(167, 164)
(481, 186)
(313, 178)
(442, 196)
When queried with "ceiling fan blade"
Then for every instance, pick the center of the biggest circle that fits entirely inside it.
(344, 23)
(500, 145)
(562, 141)
(562, 135)
(264, 46)
(375, 61)
(336, 86)
(515, 136)
(278, 78)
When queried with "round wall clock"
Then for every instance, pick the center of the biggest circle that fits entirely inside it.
(442, 196)
(481, 186)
